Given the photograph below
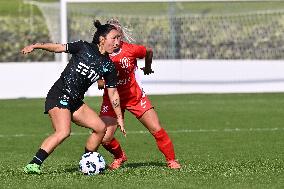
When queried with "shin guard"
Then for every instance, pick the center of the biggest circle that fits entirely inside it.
(165, 144)
(114, 148)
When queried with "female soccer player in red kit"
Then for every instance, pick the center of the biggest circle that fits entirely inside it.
(134, 100)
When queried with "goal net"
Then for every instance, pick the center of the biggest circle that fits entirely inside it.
(189, 30)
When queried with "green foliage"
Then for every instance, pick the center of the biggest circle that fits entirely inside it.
(256, 36)
(223, 30)
(192, 30)
(17, 8)
(15, 33)
(21, 24)
(221, 140)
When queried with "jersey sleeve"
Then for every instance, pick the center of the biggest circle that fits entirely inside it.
(74, 47)
(139, 51)
(110, 75)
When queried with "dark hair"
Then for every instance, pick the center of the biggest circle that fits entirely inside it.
(102, 30)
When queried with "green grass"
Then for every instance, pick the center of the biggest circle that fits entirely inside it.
(212, 156)
(154, 8)
(17, 8)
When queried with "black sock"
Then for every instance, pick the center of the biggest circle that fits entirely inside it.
(86, 150)
(40, 156)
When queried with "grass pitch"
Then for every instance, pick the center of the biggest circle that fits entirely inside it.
(221, 140)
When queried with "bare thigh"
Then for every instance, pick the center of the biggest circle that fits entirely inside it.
(60, 119)
(61, 123)
(151, 121)
(87, 117)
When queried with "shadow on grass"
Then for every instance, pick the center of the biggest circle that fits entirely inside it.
(144, 164)
(75, 169)
(71, 169)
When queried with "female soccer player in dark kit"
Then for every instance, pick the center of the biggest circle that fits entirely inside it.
(64, 101)
(134, 100)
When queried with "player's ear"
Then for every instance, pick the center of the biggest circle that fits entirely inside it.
(102, 40)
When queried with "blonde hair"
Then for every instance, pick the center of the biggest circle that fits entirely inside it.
(126, 32)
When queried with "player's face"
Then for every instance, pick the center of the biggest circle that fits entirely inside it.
(120, 33)
(112, 41)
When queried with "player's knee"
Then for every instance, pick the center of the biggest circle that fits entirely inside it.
(154, 130)
(107, 139)
(61, 135)
(100, 128)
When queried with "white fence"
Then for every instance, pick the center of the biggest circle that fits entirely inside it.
(33, 80)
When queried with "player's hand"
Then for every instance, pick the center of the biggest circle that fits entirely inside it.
(120, 124)
(147, 71)
(101, 84)
(27, 49)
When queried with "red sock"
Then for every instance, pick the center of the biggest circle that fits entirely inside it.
(114, 148)
(165, 144)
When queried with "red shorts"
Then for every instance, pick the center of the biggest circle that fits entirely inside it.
(137, 110)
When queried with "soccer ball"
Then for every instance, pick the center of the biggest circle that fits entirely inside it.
(92, 163)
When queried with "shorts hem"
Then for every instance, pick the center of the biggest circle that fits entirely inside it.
(46, 111)
(139, 116)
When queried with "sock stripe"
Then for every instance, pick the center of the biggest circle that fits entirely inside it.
(38, 159)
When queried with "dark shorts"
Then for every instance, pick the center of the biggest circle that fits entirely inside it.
(57, 98)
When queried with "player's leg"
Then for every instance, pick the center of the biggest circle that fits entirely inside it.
(111, 144)
(151, 121)
(146, 114)
(86, 117)
(61, 122)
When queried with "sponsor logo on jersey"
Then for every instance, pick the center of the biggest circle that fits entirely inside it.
(125, 62)
(83, 69)
(63, 102)
(105, 69)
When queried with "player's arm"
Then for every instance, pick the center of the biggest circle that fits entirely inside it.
(110, 78)
(51, 47)
(148, 62)
(115, 102)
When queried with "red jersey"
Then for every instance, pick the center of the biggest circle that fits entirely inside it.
(125, 61)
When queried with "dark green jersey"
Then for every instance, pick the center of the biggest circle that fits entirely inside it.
(85, 67)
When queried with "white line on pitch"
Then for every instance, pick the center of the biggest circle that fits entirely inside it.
(176, 131)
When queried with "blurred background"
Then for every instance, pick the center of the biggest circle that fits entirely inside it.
(176, 30)
(193, 40)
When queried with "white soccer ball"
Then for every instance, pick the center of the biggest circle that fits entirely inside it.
(92, 163)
